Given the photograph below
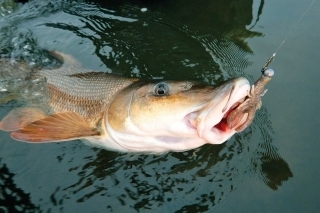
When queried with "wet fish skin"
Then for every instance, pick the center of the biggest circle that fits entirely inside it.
(126, 114)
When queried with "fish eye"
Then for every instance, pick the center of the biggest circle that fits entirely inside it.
(161, 89)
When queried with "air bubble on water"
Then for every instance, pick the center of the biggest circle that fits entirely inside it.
(14, 40)
(27, 47)
(32, 64)
(13, 61)
(37, 94)
(46, 60)
(144, 9)
(26, 53)
(25, 91)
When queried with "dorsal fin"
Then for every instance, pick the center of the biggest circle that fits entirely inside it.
(67, 60)
(88, 75)
(62, 126)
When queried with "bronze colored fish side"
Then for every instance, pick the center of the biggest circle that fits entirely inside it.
(131, 115)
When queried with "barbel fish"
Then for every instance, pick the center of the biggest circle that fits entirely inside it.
(132, 115)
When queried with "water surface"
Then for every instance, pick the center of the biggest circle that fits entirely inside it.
(270, 167)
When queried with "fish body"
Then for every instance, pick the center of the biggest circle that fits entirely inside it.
(128, 114)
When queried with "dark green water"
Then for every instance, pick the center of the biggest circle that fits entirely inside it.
(270, 167)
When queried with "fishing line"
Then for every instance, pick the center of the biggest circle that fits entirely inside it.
(305, 12)
(274, 54)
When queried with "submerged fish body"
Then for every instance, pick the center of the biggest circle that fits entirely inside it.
(126, 114)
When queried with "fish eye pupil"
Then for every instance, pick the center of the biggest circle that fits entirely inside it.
(160, 89)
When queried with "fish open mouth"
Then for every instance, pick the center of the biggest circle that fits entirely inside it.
(222, 125)
(211, 121)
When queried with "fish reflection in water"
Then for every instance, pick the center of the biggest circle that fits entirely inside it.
(12, 198)
(192, 181)
(147, 182)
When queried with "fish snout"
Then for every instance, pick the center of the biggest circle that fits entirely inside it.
(211, 121)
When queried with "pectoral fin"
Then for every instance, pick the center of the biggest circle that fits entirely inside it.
(57, 127)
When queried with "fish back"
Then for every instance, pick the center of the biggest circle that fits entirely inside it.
(82, 91)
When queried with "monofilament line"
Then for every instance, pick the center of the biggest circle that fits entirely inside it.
(305, 12)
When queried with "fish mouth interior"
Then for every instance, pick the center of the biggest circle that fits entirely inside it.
(221, 130)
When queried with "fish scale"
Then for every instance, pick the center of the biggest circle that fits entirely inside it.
(87, 94)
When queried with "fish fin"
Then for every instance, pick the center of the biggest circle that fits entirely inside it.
(67, 60)
(62, 126)
(89, 75)
(20, 117)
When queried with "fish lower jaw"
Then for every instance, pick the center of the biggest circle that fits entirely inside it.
(205, 130)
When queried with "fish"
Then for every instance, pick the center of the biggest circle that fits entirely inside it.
(132, 115)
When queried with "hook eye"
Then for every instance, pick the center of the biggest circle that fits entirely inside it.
(161, 89)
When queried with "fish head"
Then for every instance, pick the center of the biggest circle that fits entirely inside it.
(176, 110)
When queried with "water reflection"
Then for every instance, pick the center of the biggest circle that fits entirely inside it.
(12, 198)
(179, 182)
(150, 45)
